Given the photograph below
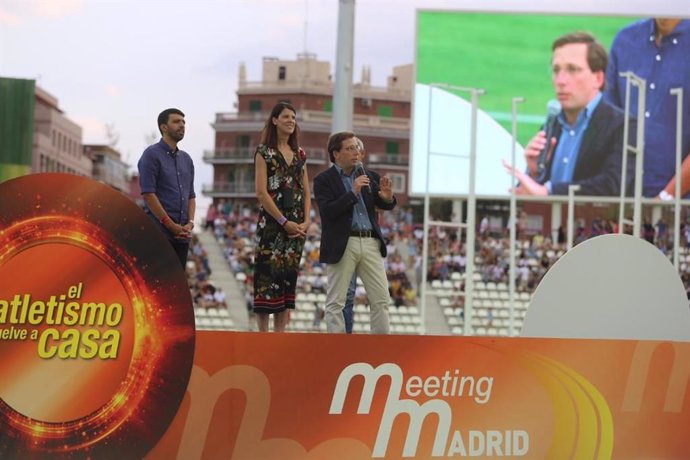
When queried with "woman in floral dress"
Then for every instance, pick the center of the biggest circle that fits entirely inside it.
(282, 188)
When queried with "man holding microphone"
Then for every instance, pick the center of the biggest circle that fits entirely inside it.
(351, 240)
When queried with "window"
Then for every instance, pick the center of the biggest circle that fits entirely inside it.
(398, 181)
(328, 105)
(393, 147)
(242, 143)
(533, 223)
(243, 140)
(255, 106)
(385, 111)
(281, 72)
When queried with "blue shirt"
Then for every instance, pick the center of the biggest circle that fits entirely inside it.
(663, 67)
(169, 174)
(360, 217)
(568, 146)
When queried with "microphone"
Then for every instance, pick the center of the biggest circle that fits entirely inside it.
(553, 108)
(359, 170)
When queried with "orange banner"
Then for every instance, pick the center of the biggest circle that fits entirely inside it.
(316, 396)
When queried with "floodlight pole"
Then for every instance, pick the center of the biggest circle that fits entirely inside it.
(471, 208)
(638, 149)
(425, 220)
(471, 215)
(513, 218)
(342, 89)
(571, 214)
(678, 92)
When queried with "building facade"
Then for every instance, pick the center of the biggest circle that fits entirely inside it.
(57, 139)
(381, 119)
(108, 166)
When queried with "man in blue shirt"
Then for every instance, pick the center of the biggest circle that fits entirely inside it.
(587, 144)
(351, 240)
(348, 311)
(657, 50)
(166, 178)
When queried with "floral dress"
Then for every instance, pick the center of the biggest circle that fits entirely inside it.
(278, 257)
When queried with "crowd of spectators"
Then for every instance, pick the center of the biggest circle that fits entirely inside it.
(234, 228)
(204, 293)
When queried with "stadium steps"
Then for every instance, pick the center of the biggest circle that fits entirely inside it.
(222, 276)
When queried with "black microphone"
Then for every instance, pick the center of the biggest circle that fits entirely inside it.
(359, 170)
(553, 108)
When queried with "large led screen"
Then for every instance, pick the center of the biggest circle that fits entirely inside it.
(507, 55)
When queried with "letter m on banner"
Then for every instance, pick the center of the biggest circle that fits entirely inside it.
(394, 407)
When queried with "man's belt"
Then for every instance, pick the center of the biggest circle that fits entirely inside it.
(363, 233)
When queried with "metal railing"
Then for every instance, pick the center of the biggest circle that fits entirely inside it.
(246, 154)
(388, 158)
(317, 116)
(232, 188)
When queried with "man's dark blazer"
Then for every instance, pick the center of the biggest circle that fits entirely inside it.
(335, 207)
(599, 162)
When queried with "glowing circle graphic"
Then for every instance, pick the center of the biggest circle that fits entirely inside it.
(96, 322)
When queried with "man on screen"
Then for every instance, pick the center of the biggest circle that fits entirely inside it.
(656, 50)
(587, 142)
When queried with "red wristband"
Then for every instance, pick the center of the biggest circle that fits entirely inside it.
(165, 219)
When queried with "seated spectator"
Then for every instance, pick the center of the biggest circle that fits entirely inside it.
(219, 298)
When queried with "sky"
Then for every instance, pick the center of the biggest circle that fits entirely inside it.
(120, 62)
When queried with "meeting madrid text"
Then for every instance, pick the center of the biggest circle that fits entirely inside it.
(438, 390)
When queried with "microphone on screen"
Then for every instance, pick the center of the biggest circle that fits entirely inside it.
(553, 108)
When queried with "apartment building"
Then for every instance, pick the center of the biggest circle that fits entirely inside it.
(57, 140)
(381, 119)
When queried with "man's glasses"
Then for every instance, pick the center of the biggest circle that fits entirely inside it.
(351, 148)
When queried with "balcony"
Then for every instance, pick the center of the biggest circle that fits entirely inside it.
(230, 155)
(314, 120)
(325, 87)
(388, 159)
(229, 189)
(245, 155)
